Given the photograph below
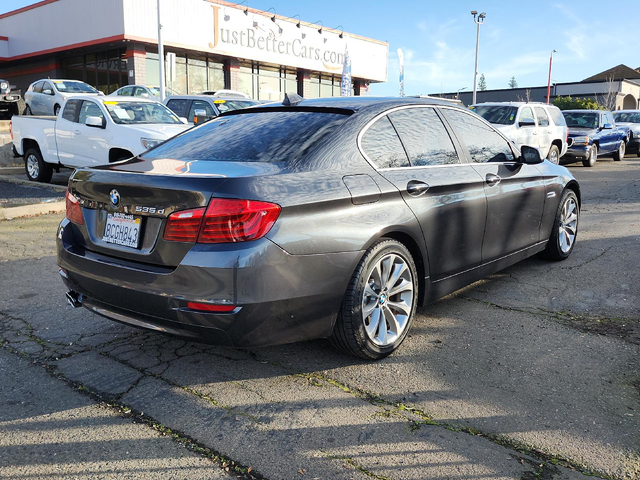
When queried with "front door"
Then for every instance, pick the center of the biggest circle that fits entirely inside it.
(92, 147)
(515, 192)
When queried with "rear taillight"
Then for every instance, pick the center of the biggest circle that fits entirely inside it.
(210, 307)
(224, 221)
(184, 226)
(11, 129)
(74, 210)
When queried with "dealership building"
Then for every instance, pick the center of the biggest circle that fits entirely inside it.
(217, 45)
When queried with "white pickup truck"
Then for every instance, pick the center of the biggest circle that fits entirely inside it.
(91, 131)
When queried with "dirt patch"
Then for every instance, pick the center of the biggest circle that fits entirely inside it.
(624, 328)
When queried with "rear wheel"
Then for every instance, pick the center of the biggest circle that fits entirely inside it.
(36, 168)
(619, 155)
(554, 155)
(565, 228)
(592, 156)
(379, 304)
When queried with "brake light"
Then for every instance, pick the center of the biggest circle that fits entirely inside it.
(229, 220)
(11, 129)
(209, 307)
(223, 221)
(74, 210)
(184, 226)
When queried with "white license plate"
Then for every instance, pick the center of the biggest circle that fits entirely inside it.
(122, 229)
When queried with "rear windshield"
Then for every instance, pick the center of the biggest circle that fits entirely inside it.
(129, 113)
(627, 117)
(253, 137)
(73, 87)
(579, 119)
(498, 115)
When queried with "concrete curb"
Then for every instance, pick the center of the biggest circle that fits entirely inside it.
(12, 179)
(11, 170)
(28, 210)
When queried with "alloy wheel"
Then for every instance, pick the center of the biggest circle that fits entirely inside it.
(33, 167)
(387, 300)
(568, 225)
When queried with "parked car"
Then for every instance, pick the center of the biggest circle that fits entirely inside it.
(141, 91)
(226, 93)
(45, 97)
(91, 130)
(312, 218)
(593, 133)
(631, 119)
(533, 124)
(9, 99)
(207, 106)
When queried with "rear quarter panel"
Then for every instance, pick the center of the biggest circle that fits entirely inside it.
(39, 129)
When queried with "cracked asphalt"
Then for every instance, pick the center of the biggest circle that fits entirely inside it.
(531, 373)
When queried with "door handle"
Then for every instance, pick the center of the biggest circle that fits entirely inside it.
(534, 133)
(492, 179)
(415, 188)
(77, 132)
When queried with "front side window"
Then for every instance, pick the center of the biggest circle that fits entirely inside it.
(140, 92)
(526, 115)
(499, 115)
(268, 137)
(73, 87)
(89, 109)
(229, 105)
(37, 88)
(125, 92)
(47, 86)
(128, 113)
(200, 105)
(543, 119)
(71, 109)
(424, 137)
(381, 144)
(483, 142)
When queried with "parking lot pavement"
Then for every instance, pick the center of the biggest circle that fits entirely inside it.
(531, 373)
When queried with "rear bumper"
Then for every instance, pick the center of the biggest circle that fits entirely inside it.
(279, 298)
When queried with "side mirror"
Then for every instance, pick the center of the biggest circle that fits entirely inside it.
(607, 126)
(94, 122)
(184, 120)
(144, 95)
(47, 91)
(530, 155)
(527, 122)
(200, 112)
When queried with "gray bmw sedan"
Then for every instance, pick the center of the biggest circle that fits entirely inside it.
(332, 217)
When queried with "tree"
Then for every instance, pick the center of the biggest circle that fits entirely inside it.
(482, 83)
(607, 101)
(568, 103)
(513, 83)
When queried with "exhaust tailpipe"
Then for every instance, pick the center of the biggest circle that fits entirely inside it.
(74, 299)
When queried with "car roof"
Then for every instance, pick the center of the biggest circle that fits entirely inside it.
(585, 111)
(514, 104)
(633, 110)
(360, 102)
(212, 98)
(58, 80)
(108, 98)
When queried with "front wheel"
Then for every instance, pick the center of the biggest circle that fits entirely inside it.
(36, 168)
(56, 110)
(27, 110)
(619, 154)
(379, 304)
(554, 155)
(565, 228)
(592, 156)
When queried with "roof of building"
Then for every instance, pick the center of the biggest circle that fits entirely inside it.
(619, 72)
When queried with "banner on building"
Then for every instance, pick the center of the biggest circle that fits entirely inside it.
(345, 86)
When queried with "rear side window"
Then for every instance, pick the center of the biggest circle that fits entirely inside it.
(268, 137)
(70, 110)
(557, 117)
(424, 137)
(178, 106)
(482, 141)
(543, 119)
(381, 144)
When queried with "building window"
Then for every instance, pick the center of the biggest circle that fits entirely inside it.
(106, 71)
(323, 85)
(266, 82)
(197, 74)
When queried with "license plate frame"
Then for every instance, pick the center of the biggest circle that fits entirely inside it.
(122, 229)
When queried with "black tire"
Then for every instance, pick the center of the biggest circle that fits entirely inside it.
(36, 168)
(349, 333)
(27, 110)
(554, 249)
(590, 161)
(554, 155)
(56, 109)
(619, 154)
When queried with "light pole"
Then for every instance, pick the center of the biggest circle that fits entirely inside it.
(160, 56)
(458, 94)
(479, 20)
(549, 83)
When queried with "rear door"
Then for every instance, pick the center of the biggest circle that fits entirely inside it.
(515, 192)
(446, 196)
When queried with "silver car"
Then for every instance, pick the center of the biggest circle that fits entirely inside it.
(45, 97)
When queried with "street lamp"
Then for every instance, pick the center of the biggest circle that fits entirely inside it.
(458, 94)
(549, 83)
(479, 20)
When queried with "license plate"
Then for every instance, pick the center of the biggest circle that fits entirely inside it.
(122, 229)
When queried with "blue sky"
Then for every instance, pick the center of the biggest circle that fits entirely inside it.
(438, 38)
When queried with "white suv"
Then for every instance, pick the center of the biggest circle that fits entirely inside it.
(533, 124)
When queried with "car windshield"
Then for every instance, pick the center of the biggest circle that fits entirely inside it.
(228, 105)
(73, 87)
(628, 117)
(129, 113)
(579, 119)
(253, 137)
(499, 115)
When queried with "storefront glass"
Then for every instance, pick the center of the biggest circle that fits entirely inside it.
(107, 71)
(197, 74)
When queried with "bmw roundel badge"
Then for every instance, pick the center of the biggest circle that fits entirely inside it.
(114, 196)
